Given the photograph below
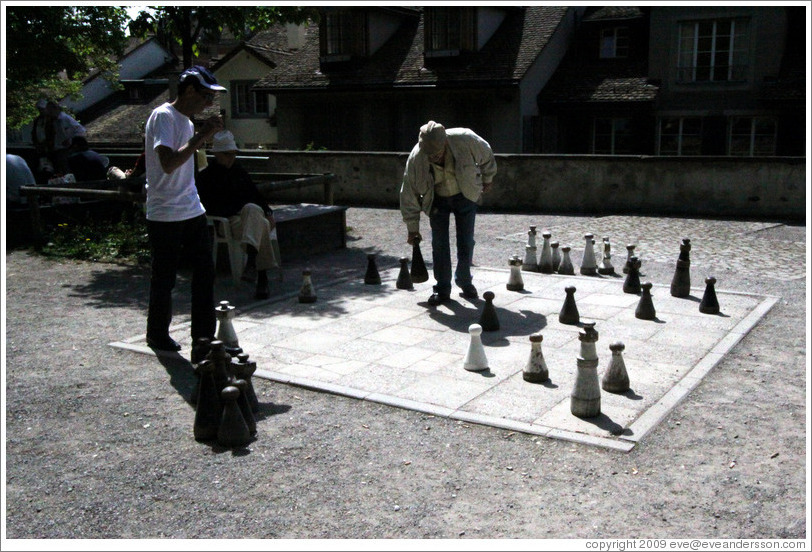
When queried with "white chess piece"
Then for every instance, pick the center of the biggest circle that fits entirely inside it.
(475, 360)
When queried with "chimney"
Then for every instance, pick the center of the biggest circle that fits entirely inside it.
(296, 35)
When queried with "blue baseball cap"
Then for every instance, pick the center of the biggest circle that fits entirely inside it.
(203, 76)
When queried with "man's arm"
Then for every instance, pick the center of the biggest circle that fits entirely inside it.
(173, 159)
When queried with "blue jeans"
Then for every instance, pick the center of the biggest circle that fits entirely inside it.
(464, 218)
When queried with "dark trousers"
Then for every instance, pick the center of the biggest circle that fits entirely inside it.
(464, 211)
(168, 241)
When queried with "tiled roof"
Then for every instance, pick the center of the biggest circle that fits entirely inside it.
(612, 81)
(505, 58)
(612, 12)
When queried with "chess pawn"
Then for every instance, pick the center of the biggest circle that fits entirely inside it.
(225, 330)
(419, 273)
(307, 294)
(616, 379)
(372, 277)
(475, 360)
(536, 369)
(588, 265)
(245, 406)
(488, 319)
(209, 407)
(632, 282)
(556, 255)
(546, 257)
(585, 400)
(221, 365)
(566, 263)
(645, 307)
(404, 279)
(569, 311)
(244, 369)
(606, 267)
(629, 254)
(233, 431)
(709, 303)
(515, 281)
(681, 282)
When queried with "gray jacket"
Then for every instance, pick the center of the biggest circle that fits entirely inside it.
(473, 162)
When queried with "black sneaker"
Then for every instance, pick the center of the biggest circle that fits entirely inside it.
(437, 298)
(469, 292)
(165, 343)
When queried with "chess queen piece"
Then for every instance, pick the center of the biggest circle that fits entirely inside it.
(535, 371)
(585, 400)
(404, 278)
(419, 273)
(709, 303)
(372, 277)
(606, 267)
(616, 379)
(632, 282)
(225, 329)
(546, 256)
(629, 254)
(566, 267)
(556, 255)
(588, 265)
(530, 263)
(681, 282)
(307, 294)
(233, 431)
(475, 359)
(488, 319)
(569, 310)
(645, 307)
(515, 281)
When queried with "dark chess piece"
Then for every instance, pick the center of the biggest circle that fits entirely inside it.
(569, 310)
(244, 369)
(419, 273)
(709, 303)
(536, 369)
(629, 254)
(209, 407)
(546, 256)
(566, 262)
(606, 267)
(233, 431)
(616, 379)
(681, 282)
(404, 279)
(200, 349)
(372, 277)
(645, 307)
(488, 319)
(632, 282)
(307, 294)
(245, 406)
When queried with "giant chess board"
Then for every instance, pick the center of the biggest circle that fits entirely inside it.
(383, 344)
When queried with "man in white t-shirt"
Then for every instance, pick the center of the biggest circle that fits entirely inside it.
(176, 220)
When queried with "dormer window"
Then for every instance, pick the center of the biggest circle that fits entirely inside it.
(343, 35)
(614, 43)
(449, 31)
(713, 51)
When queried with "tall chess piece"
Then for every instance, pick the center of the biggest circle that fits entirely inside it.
(419, 273)
(225, 330)
(372, 277)
(585, 401)
(616, 379)
(515, 281)
(475, 359)
(404, 279)
(645, 307)
(530, 263)
(681, 282)
(629, 254)
(546, 257)
(245, 406)
(709, 303)
(632, 282)
(606, 267)
(569, 310)
(556, 255)
(209, 406)
(588, 265)
(566, 263)
(244, 369)
(535, 371)
(488, 319)
(307, 294)
(233, 431)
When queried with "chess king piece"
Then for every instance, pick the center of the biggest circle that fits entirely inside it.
(588, 265)
(372, 277)
(530, 264)
(556, 255)
(585, 400)
(616, 379)
(307, 294)
(233, 431)
(606, 267)
(404, 279)
(488, 319)
(515, 281)
(419, 273)
(629, 254)
(475, 359)
(632, 282)
(566, 263)
(681, 282)
(709, 303)
(244, 369)
(535, 371)
(546, 257)
(209, 408)
(569, 310)
(645, 307)
(225, 329)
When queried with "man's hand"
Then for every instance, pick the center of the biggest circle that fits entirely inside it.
(211, 126)
(411, 236)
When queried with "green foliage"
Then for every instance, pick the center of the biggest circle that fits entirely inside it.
(44, 41)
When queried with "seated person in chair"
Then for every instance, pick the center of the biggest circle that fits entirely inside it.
(226, 190)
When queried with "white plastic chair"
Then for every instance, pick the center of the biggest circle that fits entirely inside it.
(236, 256)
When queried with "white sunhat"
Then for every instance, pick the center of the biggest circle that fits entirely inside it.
(224, 141)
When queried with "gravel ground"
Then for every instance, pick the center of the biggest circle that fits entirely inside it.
(99, 445)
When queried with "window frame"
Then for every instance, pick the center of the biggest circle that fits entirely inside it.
(753, 135)
(681, 135)
(690, 49)
(615, 37)
(613, 135)
(251, 98)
